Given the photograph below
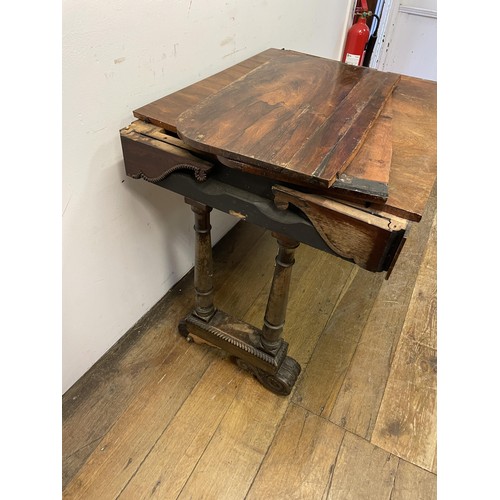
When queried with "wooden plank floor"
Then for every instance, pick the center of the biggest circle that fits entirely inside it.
(163, 418)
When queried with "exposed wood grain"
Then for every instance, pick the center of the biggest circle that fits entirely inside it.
(124, 447)
(150, 130)
(233, 456)
(164, 111)
(362, 471)
(319, 385)
(406, 423)
(300, 459)
(414, 483)
(414, 143)
(373, 161)
(169, 464)
(358, 401)
(302, 114)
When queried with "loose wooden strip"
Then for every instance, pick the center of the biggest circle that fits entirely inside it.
(332, 147)
(362, 471)
(358, 401)
(373, 161)
(300, 459)
(173, 457)
(378, 219)
(318, 388)
(414, 483)
(406, 423)
(367, 175)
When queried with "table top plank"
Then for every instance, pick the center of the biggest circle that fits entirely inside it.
(297, 113)
(414, 143)
(329, 150)
(164, 112)
(373, 160)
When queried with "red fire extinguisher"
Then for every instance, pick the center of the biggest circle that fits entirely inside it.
(357, 38)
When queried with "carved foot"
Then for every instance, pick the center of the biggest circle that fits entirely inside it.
(281, 382)
(277, 372)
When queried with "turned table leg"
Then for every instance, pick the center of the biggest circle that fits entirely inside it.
(271, 340)
(262, 352)
(203, 266)
(274, 319)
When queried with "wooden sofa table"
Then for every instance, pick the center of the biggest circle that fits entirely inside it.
(338, 157)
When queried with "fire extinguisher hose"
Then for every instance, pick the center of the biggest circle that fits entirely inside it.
(371, 43)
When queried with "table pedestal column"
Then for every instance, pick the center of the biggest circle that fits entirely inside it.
(262, 352)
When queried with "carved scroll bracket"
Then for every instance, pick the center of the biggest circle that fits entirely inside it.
(154, 157)
(200, 173)
(368, 239)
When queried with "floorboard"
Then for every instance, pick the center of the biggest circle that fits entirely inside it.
(301, 458)
(406, 423)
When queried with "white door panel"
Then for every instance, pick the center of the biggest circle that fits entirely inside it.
(408, 45)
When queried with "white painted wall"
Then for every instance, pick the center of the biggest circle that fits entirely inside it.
(125, 243)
